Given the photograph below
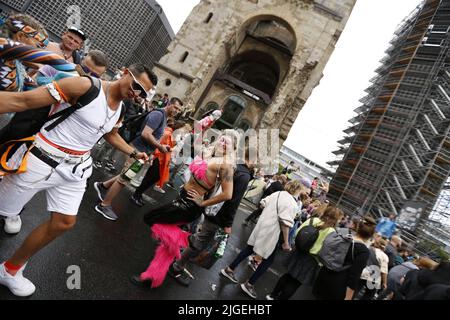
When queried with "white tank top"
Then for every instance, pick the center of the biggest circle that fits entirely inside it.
(85, 127)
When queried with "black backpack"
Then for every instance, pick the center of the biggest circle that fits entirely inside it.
(373, 261)
(132, 127)
(306, 237)
(76, 56)
(28, 123)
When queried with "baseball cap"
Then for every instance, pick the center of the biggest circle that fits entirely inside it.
(78, 32)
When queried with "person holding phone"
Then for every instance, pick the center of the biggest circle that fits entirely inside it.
(148, 140)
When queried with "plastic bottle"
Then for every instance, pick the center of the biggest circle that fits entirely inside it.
(223, 238)
(133, 170)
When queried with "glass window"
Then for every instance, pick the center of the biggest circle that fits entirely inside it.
(231, 112)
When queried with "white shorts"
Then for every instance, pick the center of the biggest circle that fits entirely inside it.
(63, 196)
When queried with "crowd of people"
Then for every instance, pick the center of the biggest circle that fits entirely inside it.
(56, 106)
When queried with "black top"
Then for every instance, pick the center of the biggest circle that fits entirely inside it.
(437, 292)
(332, 285)
(274, 187)
(225, 216)
(418, 282)
(132, 109)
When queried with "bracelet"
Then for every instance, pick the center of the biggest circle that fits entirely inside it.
(134, 154)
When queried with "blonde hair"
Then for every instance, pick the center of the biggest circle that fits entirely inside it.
(380, 243)
(320, 210)
(426, 263)
(293, 187)
(330, 217)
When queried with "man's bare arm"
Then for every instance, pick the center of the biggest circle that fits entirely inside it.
(73, 88)
(114, 139)
(147, 135)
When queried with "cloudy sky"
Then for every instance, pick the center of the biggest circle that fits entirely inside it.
(325, 115)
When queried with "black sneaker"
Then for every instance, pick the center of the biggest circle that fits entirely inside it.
(136, 280)
(110, 167)
(137, 200)
(249, 289)
(229, 274)
(97, 164)
(180, 276)
(107, 212)
(101, 191)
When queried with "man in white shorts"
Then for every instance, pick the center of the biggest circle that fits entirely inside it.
(60, 161)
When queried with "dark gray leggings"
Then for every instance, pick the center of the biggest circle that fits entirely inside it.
(262, 268)
(286, 287)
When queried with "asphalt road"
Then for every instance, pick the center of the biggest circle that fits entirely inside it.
(109, 253)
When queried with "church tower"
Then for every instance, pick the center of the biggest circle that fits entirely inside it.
(259, 60)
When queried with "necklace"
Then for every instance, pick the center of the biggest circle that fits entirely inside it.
(66, 56)
(107, 116)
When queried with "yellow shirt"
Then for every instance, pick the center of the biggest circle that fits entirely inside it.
(322, 235)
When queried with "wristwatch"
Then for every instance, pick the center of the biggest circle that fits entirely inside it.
(134, 154)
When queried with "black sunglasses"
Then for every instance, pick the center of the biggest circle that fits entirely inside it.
(88, 71)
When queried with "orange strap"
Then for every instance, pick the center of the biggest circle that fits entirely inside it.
(61, 93)
(5, 151)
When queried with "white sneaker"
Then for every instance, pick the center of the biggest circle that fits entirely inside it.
(18, 284)
(13, 225)
(158, 189)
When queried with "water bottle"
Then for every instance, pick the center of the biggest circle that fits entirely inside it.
(223, 238)
(133, 170)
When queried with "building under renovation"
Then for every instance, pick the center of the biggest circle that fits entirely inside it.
(396, 153)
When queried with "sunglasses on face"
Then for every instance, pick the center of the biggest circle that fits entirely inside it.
(88, 71)
(138, 88)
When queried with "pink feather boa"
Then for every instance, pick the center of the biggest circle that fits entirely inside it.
(172, 240)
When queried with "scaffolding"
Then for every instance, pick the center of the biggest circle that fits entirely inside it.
(397, 147)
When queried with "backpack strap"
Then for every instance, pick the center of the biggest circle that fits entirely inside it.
(279, 193)
(83, 101)
(76, 56)
(145, 116)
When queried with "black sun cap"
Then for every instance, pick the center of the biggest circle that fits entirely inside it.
(78, 32)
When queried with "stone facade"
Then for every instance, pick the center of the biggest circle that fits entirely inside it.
(257, 59)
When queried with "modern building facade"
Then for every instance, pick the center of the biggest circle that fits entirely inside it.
(397, 149)
(307, 169)
(127, 30)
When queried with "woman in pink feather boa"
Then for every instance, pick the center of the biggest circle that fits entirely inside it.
(165, 221)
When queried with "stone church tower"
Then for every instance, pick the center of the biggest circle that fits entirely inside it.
(259, 60)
